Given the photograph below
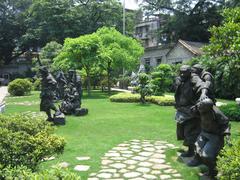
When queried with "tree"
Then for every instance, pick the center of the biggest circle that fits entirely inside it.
(162, 79)
(82, 52)
(12, 29)
(224, 52)
(118, 52)
(47, 54)
(186, 19)
(143, 86)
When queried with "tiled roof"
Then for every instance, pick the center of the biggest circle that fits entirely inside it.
(194, 47)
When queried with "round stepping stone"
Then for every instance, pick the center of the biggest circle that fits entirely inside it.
(131, 162)
(112, 154)
(93, 178)
(159, 156)
(131, 174)
(177, 175)
(159, 161)
(145, 154)
(124, 171)
(116, 175)
(81, 168)
(131, 167)
(118, 158)
(136, 150)
(161, 166)
(136, 147)
(147, 145)
(149, 176)
(106, 162)
(139, 158)
(165, 176)
(127, 155)
(108, 170)
(149, 149)
(82, 158)
(143, 170)
(63, 165)
(145, 164)
(118, 165)
(126, 152)
(155, 172)
(124, 145)
(105, 175)
(120, 148)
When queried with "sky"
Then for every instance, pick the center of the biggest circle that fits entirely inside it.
(131, 4)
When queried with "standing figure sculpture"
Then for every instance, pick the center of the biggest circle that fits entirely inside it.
(207, 78)
(189, 90)
(61, 83)
(47, 95)
(214, 126)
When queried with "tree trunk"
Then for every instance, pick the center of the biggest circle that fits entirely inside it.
(88, 83)
(108, 78)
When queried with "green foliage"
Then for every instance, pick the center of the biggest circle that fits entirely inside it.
(162, 79)
(143, 88)
(25, 140)
(223, 54)
(20, 87)
(123, 81)
(37, 85)
(130, 98)
(21, 172)
(47, 54)
(228, 162)
(232, 111)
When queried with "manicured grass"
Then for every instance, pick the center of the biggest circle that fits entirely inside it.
(109, 124)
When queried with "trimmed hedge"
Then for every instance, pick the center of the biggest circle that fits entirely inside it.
(133, 98)
(232, 111)
(228, 162)
(22, 172)
(20, 87)
(25, 140)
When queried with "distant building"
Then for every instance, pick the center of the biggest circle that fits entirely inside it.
(184, 51)
(146, 31)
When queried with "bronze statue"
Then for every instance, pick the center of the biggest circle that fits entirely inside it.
(47, 93)
(189, 90)
(214, 126)
(61, 83)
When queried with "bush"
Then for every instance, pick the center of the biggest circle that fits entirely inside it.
(130, 98)
(37, 85)
(20, 87)
(21, 172)
(228, 162)
(124, 82)
(232, 111)
(25, 140)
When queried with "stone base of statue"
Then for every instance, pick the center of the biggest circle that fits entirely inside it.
(59, 119)
(81, 111)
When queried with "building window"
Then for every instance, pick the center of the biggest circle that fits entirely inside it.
(147, 61)
(158, 60)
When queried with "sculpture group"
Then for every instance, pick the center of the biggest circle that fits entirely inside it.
(68, 90)
(200, 124)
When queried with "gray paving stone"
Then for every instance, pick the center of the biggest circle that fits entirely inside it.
(124, 171)
(82, 158)
(165, 176)
(139, 158)
(93, 178)
(146, 154)
(106, 162)
(160, 166)
(135, 147)
(150, 149)
(105, 175)
(63, 165)
(131, 167)
(120, 148)
(108, 170)
(131, 174)
(118, 165)
(155, 160)
(155, 172)
(112, 154)
(124, 145)
(149, 176)
(81, 168)
(143, 169)
(130, 162)
(159, 156)
(126, 152)
(145, 164)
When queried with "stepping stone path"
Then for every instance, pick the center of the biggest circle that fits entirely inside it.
(137, 159)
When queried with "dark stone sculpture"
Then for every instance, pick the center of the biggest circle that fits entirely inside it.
(47, 94)
(214, 126)
(61, 83)
(189, 90)
(73, 95)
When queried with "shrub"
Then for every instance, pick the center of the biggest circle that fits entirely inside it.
(21, 172)
(143, 88)
(228, 162)
(162, 79)
(37, 85)
(25, 140)
(124, 81)
(20, 87)
(129, 98)
(232, 111)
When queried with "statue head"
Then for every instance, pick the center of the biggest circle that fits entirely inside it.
(197, 68)
(205, 105)
(185, 72)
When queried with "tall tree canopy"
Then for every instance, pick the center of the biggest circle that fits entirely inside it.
(187, 19)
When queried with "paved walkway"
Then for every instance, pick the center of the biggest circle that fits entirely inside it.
(121, 90)
(137, 160)
(3, 93)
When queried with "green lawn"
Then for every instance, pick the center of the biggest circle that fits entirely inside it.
(109, 124)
